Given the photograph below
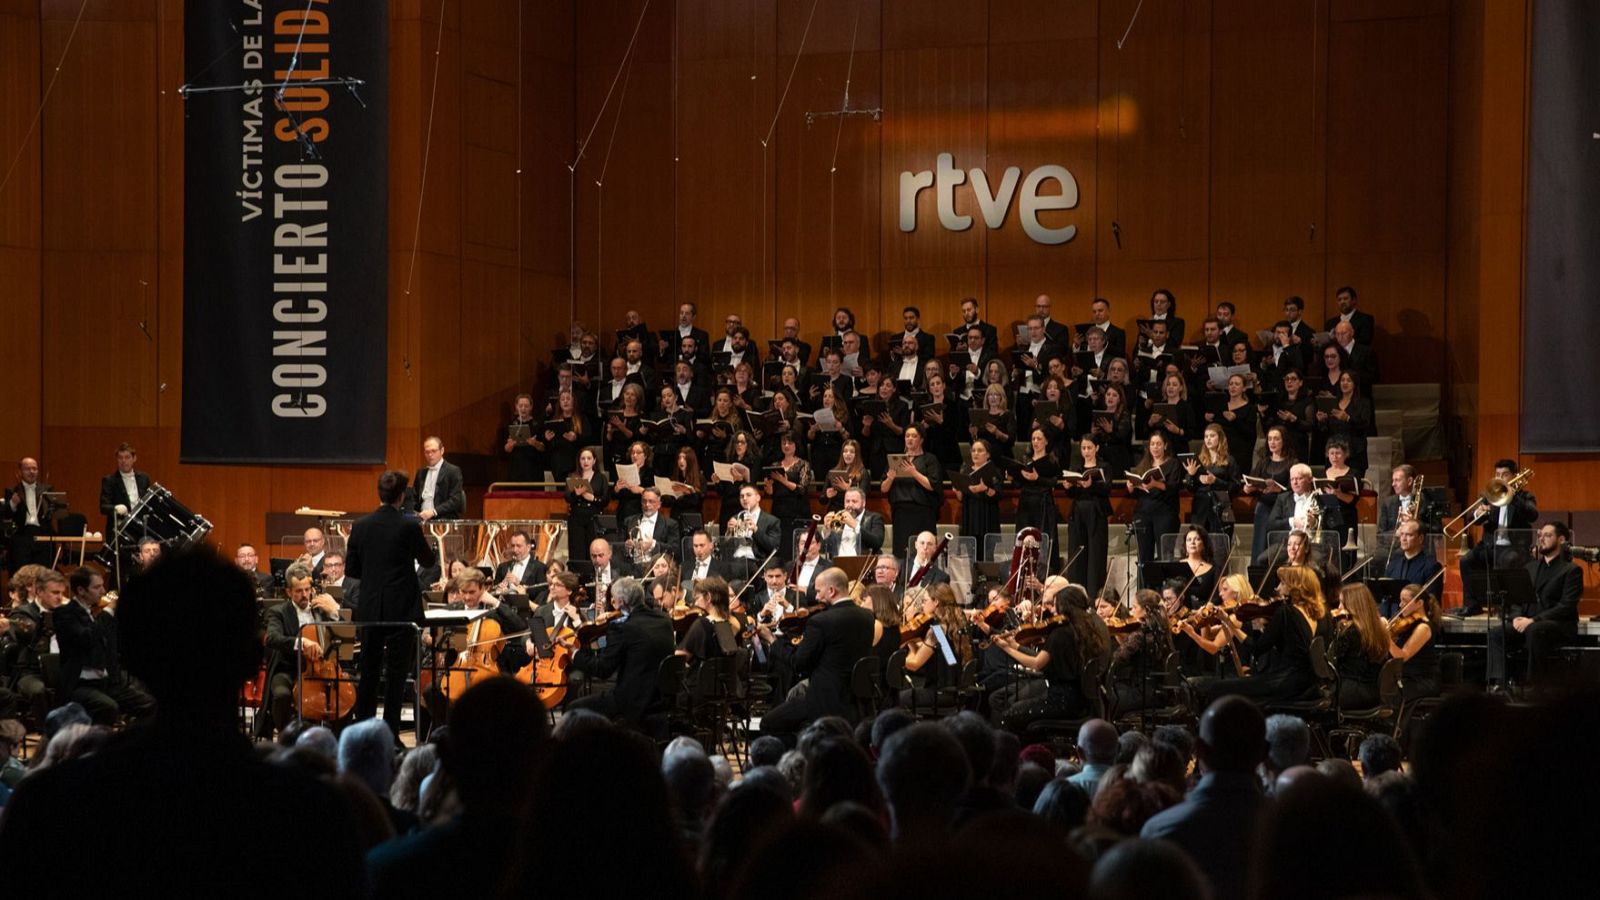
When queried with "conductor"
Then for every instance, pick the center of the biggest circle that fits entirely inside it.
(384, 551)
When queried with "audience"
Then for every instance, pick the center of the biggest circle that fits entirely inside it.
(1379, 754)
(1288, 745)
(1138, 868)
(923, 771)
(1099, 745)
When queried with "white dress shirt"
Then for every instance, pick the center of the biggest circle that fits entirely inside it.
(130, 483)
(429, 482)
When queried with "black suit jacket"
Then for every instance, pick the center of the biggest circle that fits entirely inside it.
(633, 652)
(833, 640)
(668, 534)
(716, 569)
(1365, 364)
(534, 573)
(1389, 513)
(1524, 513)
(449, 494)
(1283, 510)
(20, 515)
(1556, 588)
(85, 642)
(1363, 323)
(383, 551)
(870, 541)
(113, 492)
(768, 534)
(283, 628)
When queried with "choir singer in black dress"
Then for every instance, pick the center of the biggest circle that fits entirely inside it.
(915, 489)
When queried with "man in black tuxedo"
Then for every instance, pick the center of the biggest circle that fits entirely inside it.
(703, 561)
(1282, 357)
(1292, 510)
(91, 671)
(385, 549)
(521, 574)
(635, 647)
(1497, 548)
(560, 610)
(774, 586)
(791, 332)
(315, 543)
(1300, 333)
(1363, 323)
(439, 488)
(1100, 317)
(922, 557)
(833, 641)
(809, 564)
(967, 365)
(247, 559)
(602, 570)
(1362, 360)
(334, 576)
(1552, 619)
(911, 317)
(970, 320)
(758, 531)
(28, 506)
(652, 533)
(469, 591)
(863, 529)
(1056, 331)
(1230, 333)
(1402, 482)
(286, 645)
(123, 489)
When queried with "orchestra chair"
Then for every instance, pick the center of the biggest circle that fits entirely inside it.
(865, 687)
(1352, 726)
(1062, 734)
(1320, 709)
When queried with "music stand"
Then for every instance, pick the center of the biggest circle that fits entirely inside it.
(1387, 590)
(1511, 586)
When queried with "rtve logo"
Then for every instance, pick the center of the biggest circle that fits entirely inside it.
(993, 204)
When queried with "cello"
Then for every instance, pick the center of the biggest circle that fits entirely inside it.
(322, 693)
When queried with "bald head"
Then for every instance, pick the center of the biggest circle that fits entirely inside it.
(1097, 738)
(1233, 735)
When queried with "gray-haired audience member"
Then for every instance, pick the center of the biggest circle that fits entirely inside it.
(1288, 745)
(691, 785)
(319, 740)
(1214, 824)
(1097, 740)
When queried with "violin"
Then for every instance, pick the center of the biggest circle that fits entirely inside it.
(1401, 627)
(1034, 634)
(682, 618)
(1123, 626)
(915, 628)
(590, 632)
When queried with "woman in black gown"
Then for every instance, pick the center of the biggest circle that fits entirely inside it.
(1036, 507)
(1212, 475)
(980, 504)
(1087, 531)
(1282, 651)
(1156, 512)
(1194, 549)
(586, 497)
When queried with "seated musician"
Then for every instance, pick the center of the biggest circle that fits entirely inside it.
(1551, 619)
(1140, 658)
(149, 551)
(635, 644)
(248, 561)
(521, 573)
(923, 557)
(1412, 560)
(1067, 648)
(1282, 650)
(776, 598)
(1411, 634)
(711, 634)
(886, 571)
(287, 646)
(561, 609)
(469, 590)
(887, 621)
(834, 639)
(91, 672)
(1210, 635)
(930, 668)
(1297, 552)
(333, 576)
(1360, 647)
(811, 563)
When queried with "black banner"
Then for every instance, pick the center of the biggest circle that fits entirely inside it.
(1560, 368)
(285, 337)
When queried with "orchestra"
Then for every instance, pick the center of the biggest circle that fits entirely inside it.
(847, 483)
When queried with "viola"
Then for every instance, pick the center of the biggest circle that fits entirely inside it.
(1261, 610)
(325, 695)
(1037, 632)
(589, 632)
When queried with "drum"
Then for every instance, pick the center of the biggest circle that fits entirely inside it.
(160, 515)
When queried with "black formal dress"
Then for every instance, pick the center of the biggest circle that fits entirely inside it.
(1088, 530)
(1036, 503)
(913, 508)
(582, 526)
(525, 462)
(1283, 659)
(384, 551)
(1156, 512)
(1212, 504)
(1064, 695)
(980, 513)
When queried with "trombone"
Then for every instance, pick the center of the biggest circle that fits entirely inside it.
(1496, 494)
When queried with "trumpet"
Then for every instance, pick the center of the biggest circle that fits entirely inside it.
(1497, 494)
(834, 521)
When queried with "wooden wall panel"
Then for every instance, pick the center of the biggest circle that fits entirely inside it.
(1153, 168)
(19, 232)
(1268, 101)
(1386, 182)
